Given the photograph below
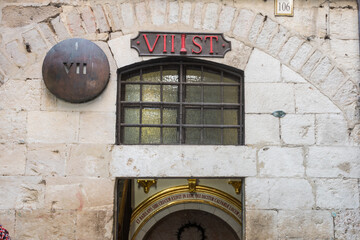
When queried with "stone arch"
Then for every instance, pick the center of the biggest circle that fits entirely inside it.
(247, 29)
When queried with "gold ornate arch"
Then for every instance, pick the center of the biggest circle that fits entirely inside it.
(203, 195)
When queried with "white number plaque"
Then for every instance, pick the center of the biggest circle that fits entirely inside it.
(284, 8)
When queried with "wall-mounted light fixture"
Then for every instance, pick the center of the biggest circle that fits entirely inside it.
(279, 114)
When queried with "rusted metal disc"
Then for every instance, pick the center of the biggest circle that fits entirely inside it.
(76, 70)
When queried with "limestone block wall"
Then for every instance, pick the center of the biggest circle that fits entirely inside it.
(59, 162)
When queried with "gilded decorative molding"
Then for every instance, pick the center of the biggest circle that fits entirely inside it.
(167, 193)
(192, 185)
(146, 184)
(183, 189)
(237, 185)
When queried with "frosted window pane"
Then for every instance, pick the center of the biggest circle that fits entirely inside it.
(170, 135)
(231, 94)
(131, 135)
(150, 135)
(151, 116)
(212, 116)
(212, 94)
(170, 93)
(193, 75)
(132, 115)
(193, 94)
(193, 116)
(132, 93)
(151, 93)
(151, 77)
(192, 135)
(230, 136)
(212, 136)
(211, 77)
(230, 117)
(228, 79)
(134, 79)
(169, 116)
(170, 76)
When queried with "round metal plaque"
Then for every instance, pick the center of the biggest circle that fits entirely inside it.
(76, 70)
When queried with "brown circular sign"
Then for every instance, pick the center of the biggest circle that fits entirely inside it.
(76, 70)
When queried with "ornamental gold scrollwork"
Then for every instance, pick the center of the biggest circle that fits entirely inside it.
(192, 185)
(237, 186)
(146, 184)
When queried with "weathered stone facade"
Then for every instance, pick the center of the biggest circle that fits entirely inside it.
(59, 162)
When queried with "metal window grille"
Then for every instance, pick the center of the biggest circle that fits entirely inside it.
(180, 102)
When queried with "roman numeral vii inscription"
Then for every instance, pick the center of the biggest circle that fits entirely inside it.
(68, 66)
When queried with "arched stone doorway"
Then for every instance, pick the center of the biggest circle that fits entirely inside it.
(167, 210)
(191, 225)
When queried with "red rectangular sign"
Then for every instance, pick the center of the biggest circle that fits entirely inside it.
(181, 44)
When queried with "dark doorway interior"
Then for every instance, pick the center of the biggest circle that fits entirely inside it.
(191, 225)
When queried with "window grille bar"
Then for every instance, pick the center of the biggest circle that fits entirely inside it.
(202, 107)
(176, 63)
(161, 106)
(187, 104)
(184, 83)
(118, 109)
(222, 108)
(181, 68)
(178, 125)
(241, 112)
(141, 108)
(181, 117)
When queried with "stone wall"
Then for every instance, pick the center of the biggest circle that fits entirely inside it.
(58, 160)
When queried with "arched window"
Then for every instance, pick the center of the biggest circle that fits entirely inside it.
(180, 101)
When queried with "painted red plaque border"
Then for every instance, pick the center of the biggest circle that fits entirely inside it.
(181, 44)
